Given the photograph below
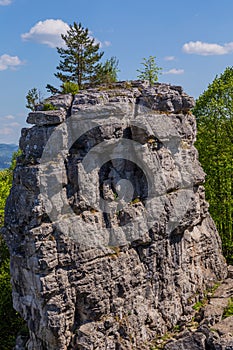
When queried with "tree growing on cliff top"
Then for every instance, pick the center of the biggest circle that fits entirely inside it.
(79, 57)
(80, 61)
(150, 70)
(214, 113)
(32, 98)
(106, 72)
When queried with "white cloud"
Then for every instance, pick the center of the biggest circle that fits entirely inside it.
(8, 117)
(107, 43)
(10, 62)
(174, 71)
(169, 58)
(207, 49)
(5, 2)
(102, 44)
(47, 32)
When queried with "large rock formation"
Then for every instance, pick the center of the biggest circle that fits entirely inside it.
(110, 237)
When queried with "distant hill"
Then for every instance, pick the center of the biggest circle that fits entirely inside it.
(6, 151)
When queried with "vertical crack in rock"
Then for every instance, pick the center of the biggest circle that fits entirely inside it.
(107, 224)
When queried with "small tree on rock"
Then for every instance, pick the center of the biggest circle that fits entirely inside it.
(106, 72)
(33, 99)
(150, 70)
(70, 88)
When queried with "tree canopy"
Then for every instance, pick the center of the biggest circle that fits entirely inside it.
(79, 56)
(214, 112)
(11, 322)
(80, 61)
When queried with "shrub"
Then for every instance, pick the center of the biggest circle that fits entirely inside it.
(48, 107)
(70, 87)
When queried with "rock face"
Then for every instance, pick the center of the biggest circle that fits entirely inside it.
(214, 330)
(109, 233)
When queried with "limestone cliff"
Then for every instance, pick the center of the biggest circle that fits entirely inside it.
(110, 237)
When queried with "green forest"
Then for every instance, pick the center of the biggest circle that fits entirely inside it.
(11, 322)
(214, 114)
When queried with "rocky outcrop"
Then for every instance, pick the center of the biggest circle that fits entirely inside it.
(214, 329)
(110, 237)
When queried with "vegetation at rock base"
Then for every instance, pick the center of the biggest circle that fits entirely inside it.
(229, 309)
(11, 322)
(214, 113)
(5, 185)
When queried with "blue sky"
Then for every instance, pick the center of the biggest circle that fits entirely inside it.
(192, 42)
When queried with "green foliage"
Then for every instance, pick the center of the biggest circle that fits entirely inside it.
(47, 106)
(14, 157)
(229, 309)
(10, 321)
(135, 201)
(214, 112)
(106, 73)
(79, 64)
(5, 186)
(80, 56)
(199, 305)
(32, 99)
(52, 89)
(209, 292)
(70, 87)
(150, 70)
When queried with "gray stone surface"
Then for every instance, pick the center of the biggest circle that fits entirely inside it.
(225, 326)
(215, 331)
(192, 341)
(213, 312)
(225, 290)
(202, 340)
(119, 277)
(46, 117)
(62, 102)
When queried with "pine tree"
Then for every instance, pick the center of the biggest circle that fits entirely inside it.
(80, 56)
